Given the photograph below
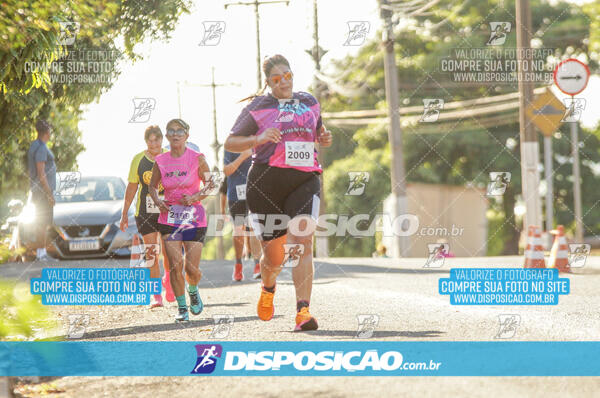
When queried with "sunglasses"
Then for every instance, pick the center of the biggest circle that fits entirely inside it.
(276, 79)
(176, 132)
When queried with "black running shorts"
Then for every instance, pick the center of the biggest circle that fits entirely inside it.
(276, 195)
(147, 224)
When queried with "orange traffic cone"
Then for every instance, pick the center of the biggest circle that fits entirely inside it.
(559, 255)
(534, 253)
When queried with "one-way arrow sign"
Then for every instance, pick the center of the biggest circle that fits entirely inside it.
(571, 76)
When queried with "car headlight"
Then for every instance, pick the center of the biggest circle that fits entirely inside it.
(28, 214)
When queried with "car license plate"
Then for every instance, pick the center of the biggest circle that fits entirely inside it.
(84, 245)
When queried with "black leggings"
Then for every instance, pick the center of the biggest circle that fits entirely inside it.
(275, 195)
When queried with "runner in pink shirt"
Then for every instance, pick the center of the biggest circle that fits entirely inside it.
(284, 129)
(183, 173)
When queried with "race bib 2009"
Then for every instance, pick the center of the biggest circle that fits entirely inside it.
(300, 153)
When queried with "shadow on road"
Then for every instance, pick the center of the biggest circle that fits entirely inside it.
(376, 334)
(162, 327)
(225, 305)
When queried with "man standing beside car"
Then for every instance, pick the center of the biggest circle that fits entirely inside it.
(42, 179)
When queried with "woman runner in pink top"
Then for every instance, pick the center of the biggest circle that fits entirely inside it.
(182, 220)
(284, 129)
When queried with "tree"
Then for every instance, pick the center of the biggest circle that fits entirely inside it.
(460, 155)
(32, 85)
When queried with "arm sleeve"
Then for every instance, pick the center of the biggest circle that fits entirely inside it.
(245, 124)
(319, 122)
(133, 175)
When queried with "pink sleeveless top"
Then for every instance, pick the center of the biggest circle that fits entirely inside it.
(179, 176)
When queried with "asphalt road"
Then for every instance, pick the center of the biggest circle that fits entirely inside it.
(402, 293)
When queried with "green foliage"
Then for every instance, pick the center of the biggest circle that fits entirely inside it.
(376, 162)
(22, 314)
(30, 49)
(460, 155)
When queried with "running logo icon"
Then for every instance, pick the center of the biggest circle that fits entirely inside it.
(499, 33)
(293, 251)
(77, 325)
(142, 109)
(578, 253)
(212, 33)
(507, 326)
(223, 325)
(437, 253)
(358, 182)
(287, 109)
(144, 255)
(207, 358)
(68, 182)
(68, 33)
(498, 183)
(575, 107)
(212, 182)
(357, 33)
(367, 323)
(431, 110)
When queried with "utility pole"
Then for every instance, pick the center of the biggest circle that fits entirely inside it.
(530, 175)
(316, 52)
(394, 131)
(256, 4)
(216, 146)
(576, 182)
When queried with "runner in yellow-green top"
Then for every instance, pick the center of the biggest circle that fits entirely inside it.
(146, 212)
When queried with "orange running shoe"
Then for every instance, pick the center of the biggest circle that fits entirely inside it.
(238, 275)
(305, 321)
(265, 307)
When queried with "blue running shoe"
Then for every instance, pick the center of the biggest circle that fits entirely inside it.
(183, 315)
(196, 305)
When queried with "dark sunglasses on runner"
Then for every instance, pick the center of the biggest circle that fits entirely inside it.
(276, 79)
(172, 132)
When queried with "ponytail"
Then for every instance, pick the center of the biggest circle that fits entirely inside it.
(252, 96)
(268, 64)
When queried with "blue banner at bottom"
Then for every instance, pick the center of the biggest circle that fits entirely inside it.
(308, 358)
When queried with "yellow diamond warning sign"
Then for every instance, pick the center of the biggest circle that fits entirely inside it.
(546, 112)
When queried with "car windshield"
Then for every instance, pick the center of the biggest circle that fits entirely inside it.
(88, 189)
